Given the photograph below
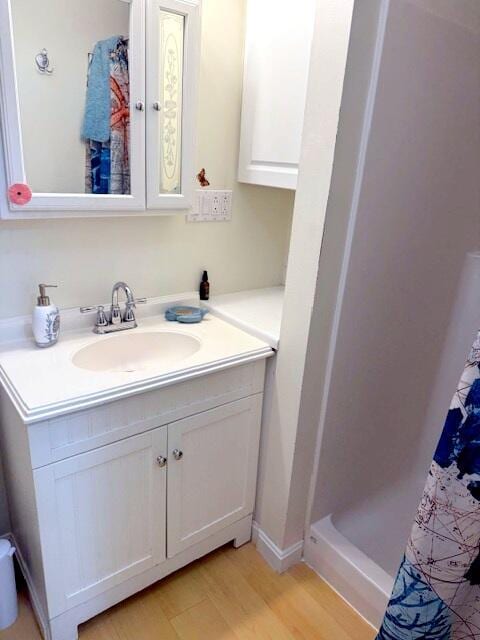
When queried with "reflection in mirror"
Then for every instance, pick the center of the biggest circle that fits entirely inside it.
(76, 130)
(172, 34)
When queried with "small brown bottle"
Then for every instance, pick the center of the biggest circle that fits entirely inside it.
(204, 287)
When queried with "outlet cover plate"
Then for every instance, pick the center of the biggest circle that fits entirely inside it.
(211, 205)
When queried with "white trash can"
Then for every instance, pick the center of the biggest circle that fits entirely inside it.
(8, 590)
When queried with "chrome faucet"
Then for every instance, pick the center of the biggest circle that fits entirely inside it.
(115, 321)
(115, 313)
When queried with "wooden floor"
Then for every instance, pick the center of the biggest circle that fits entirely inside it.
(232, 594)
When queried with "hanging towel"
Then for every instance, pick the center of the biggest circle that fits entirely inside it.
(436, 595)
(96, 123)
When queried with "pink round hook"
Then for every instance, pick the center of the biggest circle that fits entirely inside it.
(19, 193)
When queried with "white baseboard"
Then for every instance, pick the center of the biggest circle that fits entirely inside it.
(279, 559)
(34, 601)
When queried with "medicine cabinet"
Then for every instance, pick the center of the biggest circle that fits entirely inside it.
(98, 102)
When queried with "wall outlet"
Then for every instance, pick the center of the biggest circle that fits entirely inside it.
(215, 205)
(226, 204)
(211, 205)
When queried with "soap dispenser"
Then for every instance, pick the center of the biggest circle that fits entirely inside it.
(46, 319)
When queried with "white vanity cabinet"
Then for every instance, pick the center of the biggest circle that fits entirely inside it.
(107, 500)
(277, 60)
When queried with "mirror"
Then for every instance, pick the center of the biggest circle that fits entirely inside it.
(73, 83)
(99, 106)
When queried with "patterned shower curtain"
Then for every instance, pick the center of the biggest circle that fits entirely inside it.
(436, 595)
(107, 169)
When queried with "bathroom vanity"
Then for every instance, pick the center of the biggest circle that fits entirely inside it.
(123, 468)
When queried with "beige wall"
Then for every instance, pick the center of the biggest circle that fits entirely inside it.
(155, 256)
(52, 106)
(164, 255)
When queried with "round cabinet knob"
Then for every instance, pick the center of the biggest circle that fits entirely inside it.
(161, 461)
(157, 106)
(177, 454)
(140, 106)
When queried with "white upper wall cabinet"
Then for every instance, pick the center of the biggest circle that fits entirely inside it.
(98, 105)
(277, 59)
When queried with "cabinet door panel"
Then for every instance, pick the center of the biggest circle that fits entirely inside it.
(102, 517)
(173, 48)
(213, 484)
(277, 59)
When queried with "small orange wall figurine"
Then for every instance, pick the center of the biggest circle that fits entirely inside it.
(202, 178)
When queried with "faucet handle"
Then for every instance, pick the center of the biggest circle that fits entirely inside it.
(101, 317)
(101, 320)
(115, 314)
(130, 306)
(129, 313)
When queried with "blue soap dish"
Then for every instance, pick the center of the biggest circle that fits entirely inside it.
(186, 315)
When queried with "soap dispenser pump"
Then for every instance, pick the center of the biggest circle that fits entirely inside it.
(46, 319)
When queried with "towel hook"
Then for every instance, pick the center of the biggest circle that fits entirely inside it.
(43, 62)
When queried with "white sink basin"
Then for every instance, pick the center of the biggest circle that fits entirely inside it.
(127, 352)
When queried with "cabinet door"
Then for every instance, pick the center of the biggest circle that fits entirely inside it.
(212, 471)
(277, 60)
(102, 517)
(73, 132)
(173, 48)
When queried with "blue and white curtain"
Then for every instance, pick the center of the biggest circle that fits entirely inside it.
(437, 594)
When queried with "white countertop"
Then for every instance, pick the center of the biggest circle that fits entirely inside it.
(44, 383)
(258, 311)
